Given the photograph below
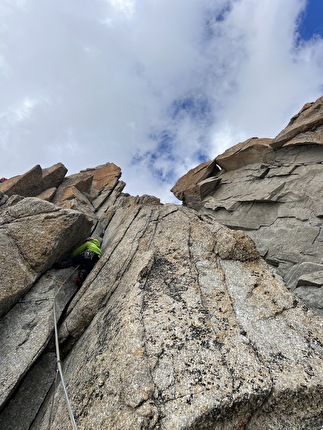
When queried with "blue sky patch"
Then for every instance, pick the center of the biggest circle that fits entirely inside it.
(202, 157)
(311, 22)
(197, 108)
(165, 142)
(163, 150)
(212, 19)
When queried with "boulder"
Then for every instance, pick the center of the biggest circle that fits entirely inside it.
(312, 137)
(74, 199)
(53, 176)
(308, 120)
(187, 187)
(251, 151)
(105, 176)
(35, 181)
(80, 181)
(33, 235)
(47, 195)
(24, 185)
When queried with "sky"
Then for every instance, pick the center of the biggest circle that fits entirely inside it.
(154, 86)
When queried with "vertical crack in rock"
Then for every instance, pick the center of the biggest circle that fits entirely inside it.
(135, 245)
(282, 358)
(119, 345)
(230, 337)
(104, 279)
(180, 325)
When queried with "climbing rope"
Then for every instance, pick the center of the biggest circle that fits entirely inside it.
(58, 359)
(59, 363)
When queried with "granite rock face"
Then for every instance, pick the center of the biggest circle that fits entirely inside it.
(272, 189)
(182, 324)
(33, 234)
(35, 181)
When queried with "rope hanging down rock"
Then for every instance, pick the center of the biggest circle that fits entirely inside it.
(58, 359)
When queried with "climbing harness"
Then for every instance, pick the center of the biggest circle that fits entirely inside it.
(89, 255)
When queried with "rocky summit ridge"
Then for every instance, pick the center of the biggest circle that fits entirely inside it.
(200, 316)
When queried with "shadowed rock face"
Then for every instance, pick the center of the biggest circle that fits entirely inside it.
(181, 325)
(272, 189)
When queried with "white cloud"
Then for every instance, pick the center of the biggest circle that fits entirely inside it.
(125, 6)
(274, 75)
(154, 86)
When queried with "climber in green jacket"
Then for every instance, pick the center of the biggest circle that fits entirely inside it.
(85, 256)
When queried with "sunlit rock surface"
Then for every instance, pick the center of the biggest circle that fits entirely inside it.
(182, 324)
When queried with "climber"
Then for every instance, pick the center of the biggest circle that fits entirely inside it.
(85, 256)
(2, 180)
